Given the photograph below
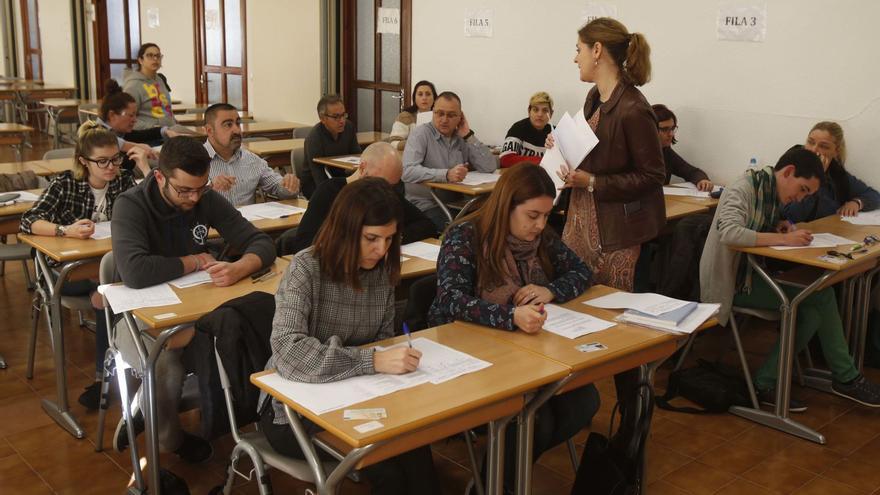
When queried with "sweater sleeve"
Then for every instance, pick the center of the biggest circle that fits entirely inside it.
(868, 195)
(478, 155)
(734, 210)
(45, 208)
(680, 167)
(457, 297)
(572, 274)
(298, 355)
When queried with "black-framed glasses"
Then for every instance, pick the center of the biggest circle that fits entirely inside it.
(668, 129)
(154, 56)
(848, 256)
(184, 192)
(337, 116)
(450, 115)
(115, 160)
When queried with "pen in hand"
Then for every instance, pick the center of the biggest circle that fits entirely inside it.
(408, 336)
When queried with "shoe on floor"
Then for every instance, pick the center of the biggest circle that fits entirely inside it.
(194, 450)
(120, 436)
(768, 398)
(91, 397)
(860, 390)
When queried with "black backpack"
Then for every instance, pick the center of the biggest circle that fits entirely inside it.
(713, 386)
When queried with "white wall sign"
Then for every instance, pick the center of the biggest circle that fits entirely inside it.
(478, 23)
(153, 17)
(388, 21)
(594, 10)
(742, 22)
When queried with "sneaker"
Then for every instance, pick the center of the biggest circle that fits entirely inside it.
(120, 436)
(859, 390)
(768, 398)
(194, 450)
(91, 397)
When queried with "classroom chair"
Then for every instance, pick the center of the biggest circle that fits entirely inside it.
(59, 153)
(83, 113)
(301, 132)
(18, 251)
(298, 162)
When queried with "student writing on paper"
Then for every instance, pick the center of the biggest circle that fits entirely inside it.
(423, 96)
(667, 124)
(525, 138)
(378, 160)
(160, 230)
(149, 89)
(841, 193)
(498, 266)
(442, 151)
(335, 297)
(334, 135)
(74, 201)
(617, 191)
(749, 215)
(237, 173)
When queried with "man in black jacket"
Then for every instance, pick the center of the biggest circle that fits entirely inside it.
(378, 160)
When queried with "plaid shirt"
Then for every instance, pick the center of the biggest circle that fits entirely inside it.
(318, 324)
(67, 200)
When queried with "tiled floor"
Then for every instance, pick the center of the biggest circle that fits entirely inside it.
(713, 454)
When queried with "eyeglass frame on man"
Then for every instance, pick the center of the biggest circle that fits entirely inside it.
(337, 116)
(189, 192)
(668, 130)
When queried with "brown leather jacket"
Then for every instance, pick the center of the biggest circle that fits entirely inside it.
(629, 169)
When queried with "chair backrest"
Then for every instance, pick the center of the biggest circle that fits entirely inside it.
(298, 160)
(301, 132)
(26, 179)
(59, 153)
(107, 273)
(83, 116)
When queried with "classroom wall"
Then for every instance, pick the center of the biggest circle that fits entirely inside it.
(174, 35)
(734, 100)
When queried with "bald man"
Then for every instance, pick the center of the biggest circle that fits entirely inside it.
(378, 160)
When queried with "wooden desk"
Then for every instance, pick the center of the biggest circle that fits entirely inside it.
(55, 107)
(277, 151)
(55, 165)
(14, 135)
(11, 214)
(35, 166)
(198, 118)
(676, 209)
(333, 161)
(67, 249)
(270, 129)
(270, 225)
(94, 107)
(418, 267)
(423, 414)
(707, 202)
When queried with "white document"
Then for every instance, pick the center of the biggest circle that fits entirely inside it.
(575, 138)
(192, 279)
(647, 302)
(477, 178)
(424, 118)
(821, 240)
(684, 191)
(572, 324)
(422, 250)
(124, 298)
(698, 316)
(438, 364)
(691, 185)
(102, 230)
(552, 162)
(864, 218)
(268, 210)
(354, 159)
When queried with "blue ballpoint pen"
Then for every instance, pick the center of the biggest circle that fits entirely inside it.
(408, 336)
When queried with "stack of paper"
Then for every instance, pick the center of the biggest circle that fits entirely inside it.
(656, 310)
(668, 320)
(691, 322)
(691, 185)
(821, 240)
(102, 230)
(572, 324)
(122, 298)
(268, 210)
(574, 140)
(354, 159)
(864, 218)
(424, 250)
(477, 178)
(438, 364)
(683, 191)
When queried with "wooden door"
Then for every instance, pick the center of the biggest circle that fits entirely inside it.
(117, 35)
(376, 66)
(221, 52)
(33, 54)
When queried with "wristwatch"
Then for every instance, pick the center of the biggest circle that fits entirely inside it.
(60, 230)
(468, 135)
(592, 183)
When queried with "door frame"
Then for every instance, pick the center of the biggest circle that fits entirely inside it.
(102, 44)
(30, 51)
(201, 53)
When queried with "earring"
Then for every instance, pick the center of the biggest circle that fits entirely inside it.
(596, 63)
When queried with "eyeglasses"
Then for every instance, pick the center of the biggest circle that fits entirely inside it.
(871, 239)
(848, 256)
(190, 192)
(449, 115)
(337, 116)
(115, 160)
(668, 130)
(154, 56)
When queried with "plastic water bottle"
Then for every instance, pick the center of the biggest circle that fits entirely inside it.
(753, 163)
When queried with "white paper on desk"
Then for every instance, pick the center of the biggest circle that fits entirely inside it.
(691, 185)
(440, 363)
(192, 279)
(23, 197)
(354, 160)
(122, 298)
(864, 218)
(698, 316)
(684, 191)
(646, 302)
(820, 240)
(269, 210)
(575, 138)
(477, 178)
(422, 250)
(424, 118)
(102, 230)
(572, 324)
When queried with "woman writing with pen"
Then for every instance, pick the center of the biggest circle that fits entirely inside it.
(336, 296)
(498, 266)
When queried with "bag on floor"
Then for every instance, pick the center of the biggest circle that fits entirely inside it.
(712, 386)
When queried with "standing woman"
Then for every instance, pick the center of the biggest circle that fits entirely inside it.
(841, 192)
(335, 297)
(149, 89)
(423, 96)
(617, 191)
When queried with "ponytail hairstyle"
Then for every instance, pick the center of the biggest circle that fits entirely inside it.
(630, 51)
(115, 100)
(836, 170)
(89, 136)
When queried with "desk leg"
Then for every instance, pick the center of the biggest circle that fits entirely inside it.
(59, 410)
(440, 204)
(862, 330)
(779, 418)
(525, 435)
(495, 456)
(54, 114)
(467, 207)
